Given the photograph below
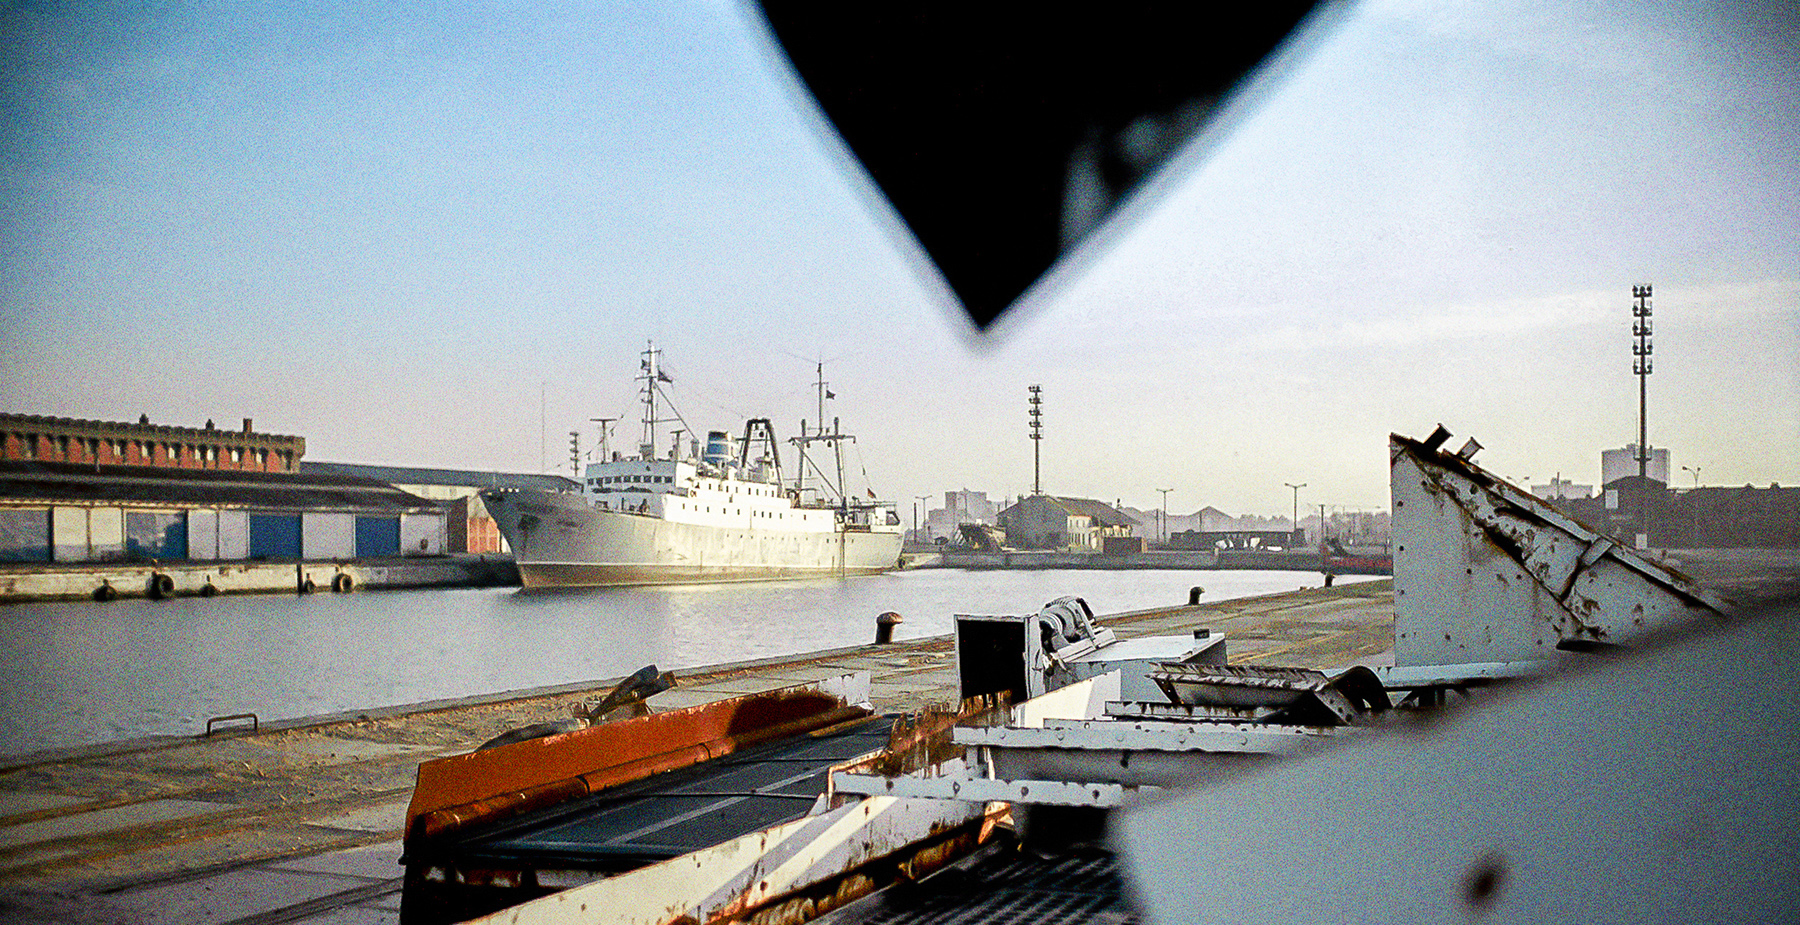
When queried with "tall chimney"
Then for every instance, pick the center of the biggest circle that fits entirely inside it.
(246, 425)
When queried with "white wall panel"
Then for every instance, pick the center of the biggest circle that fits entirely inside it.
(328, 535)
(203, 534)
(234, 535)
(69, 534)
(423, 534)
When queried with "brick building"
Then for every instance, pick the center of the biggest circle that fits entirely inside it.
(38, 438)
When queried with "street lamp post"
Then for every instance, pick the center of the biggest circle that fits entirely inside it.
(1165, 512)
(1694, 505)
(1296, 488)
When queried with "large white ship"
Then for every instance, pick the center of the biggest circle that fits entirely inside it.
(722, 514)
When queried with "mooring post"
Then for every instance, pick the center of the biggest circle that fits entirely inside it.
(884, 627)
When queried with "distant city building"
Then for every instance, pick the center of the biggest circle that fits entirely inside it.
(1561, 489)
(960, 507)
(471, 527)
(970, 507)
(1617, 464)
(106, 443)
(1049, 522)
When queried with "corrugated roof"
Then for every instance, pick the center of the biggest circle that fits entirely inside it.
(50, 482)
(466, 478)
(1103, 514)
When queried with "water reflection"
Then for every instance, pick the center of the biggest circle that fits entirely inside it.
(80, 672)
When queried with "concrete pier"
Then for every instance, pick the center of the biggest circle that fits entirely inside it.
(301, 821)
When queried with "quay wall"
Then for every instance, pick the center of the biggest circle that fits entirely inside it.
(1171, 559)
(37, 582)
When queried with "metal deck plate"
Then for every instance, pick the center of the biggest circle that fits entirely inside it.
(1004, 887)
(672, 814)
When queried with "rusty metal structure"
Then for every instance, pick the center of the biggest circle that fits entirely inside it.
(501, 825)
(1485, 572)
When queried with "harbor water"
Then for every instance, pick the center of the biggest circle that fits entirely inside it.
(78, 673)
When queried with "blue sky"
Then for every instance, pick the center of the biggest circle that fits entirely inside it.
(396, 231)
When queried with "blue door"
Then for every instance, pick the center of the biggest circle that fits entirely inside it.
(274, 536)
(155, 536)
(377, 536)
(25, 534)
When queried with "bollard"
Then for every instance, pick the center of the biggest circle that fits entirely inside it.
(1194, 595)
(884, 627)
(1328, 577)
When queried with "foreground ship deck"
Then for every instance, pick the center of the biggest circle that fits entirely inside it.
(302, 819)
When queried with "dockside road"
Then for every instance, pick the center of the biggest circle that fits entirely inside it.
(302, 821)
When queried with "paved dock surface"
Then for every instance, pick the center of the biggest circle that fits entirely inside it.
(302, 824)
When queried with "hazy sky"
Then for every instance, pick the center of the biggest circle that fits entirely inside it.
(392, 228)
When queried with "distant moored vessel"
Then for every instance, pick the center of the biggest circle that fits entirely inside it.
(723, 515)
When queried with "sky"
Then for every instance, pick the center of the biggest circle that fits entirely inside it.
(439, 235)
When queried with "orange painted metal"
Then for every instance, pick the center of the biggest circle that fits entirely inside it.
(496, 783)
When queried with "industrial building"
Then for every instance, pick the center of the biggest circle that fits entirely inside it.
(1647, 513)
(63, 512)
(113, 509)
(1050, 522)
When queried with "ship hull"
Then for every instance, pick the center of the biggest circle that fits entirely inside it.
(559, 541)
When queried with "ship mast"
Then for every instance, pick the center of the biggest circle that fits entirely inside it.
(835, 438)
(652, 375)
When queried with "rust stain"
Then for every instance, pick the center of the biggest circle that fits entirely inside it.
(461, 790)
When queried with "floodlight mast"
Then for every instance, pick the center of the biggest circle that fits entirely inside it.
(1037, 438)
(1641, 366)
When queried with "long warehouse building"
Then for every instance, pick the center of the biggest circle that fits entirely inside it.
(72, 513)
